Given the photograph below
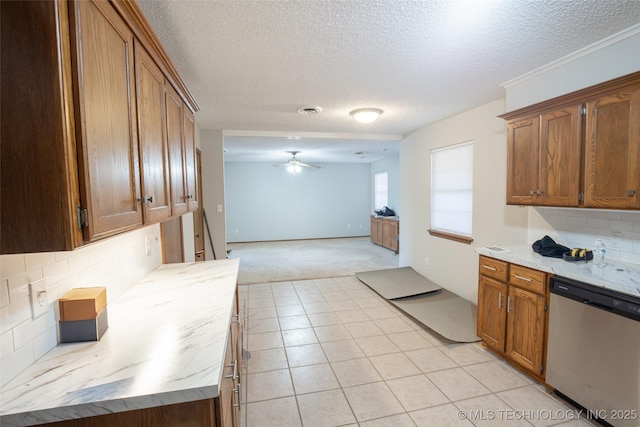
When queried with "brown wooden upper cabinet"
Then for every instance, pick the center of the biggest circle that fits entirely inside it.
(85, 148)
(578, 150)
(154, 168)
(612, 151)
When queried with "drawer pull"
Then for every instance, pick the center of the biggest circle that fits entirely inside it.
(500, 301)
(526, 279)
(490, 268)
(508, 304)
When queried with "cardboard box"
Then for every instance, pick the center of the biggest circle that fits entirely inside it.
(84, 330)
(82, 304)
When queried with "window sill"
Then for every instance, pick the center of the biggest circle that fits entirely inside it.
(450, 236)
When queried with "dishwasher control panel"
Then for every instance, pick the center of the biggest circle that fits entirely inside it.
(597, 296)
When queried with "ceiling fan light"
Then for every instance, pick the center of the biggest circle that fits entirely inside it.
(366, 115)
(294, 169)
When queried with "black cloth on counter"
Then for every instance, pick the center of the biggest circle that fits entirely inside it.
(549, 248)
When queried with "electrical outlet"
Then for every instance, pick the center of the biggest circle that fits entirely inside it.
(219, 208)
(38, 296)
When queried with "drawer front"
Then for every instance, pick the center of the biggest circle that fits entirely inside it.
(493, 268)
(527, 278)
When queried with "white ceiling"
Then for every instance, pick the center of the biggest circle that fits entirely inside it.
(252, 64)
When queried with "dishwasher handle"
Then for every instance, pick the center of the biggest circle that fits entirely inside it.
(597, 305)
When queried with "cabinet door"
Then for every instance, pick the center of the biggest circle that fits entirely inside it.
(612, 156)
(394, 227)
(522, 161)
(386, 233)
(154, 163)
(492, 313)
(189, 144)
(560, 157)
(176, 152)
(38, 176)
(525, 329)
(109, 170)
(376, 231)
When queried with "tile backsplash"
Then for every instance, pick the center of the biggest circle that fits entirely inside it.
(579, 228)
(116, 263)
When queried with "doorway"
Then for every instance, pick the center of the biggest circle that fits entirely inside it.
(198, 215)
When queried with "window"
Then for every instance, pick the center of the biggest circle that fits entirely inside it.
(380, 190)
(452, 192)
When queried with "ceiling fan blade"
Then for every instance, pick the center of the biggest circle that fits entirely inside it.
(308, 165)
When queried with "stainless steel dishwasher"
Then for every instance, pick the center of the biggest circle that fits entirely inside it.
(593, 352)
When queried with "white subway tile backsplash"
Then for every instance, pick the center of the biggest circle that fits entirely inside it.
(576, 221)
(25, 332)
(598, 223)
(17, 312)
(39, 260)
(116, 263)
(4, 293)
(78, 262)
(16, 362)
(6, 344)
(45, 342)
(619, 225)
(620, 230)
(56, 271)
(10, 265)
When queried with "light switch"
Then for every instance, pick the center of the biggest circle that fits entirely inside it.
(219, 207)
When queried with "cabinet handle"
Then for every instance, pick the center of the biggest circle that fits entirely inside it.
(500, 301)
(526, 279)
(150, 199)
(539, 192)
(235, 370)
(237, 391)
(508, 304)
(532, 192)
(490, 268)
(631, 193)
(197, 236)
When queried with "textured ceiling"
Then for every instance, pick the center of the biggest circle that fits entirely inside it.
(252, 64)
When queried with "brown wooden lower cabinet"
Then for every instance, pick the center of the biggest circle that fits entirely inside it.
(513, 313)
(385, 232)
(200, 413)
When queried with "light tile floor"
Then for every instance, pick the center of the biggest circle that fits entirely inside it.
(331, 352)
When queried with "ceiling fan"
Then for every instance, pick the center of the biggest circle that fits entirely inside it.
(294, 165)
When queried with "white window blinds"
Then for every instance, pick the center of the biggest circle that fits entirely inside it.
(380, 188)
(452, 189)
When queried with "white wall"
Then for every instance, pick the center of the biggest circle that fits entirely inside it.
(454, 265)
(211, 146)
(391, 166)
(116, 263)
(613, 57)
(267, 203)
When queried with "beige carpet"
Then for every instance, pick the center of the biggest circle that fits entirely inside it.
(264, 262)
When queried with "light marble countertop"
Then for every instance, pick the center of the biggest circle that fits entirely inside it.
(165, 344)
(618, 276)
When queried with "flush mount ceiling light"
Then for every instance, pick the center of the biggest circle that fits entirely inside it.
(308, 110)
(366, 115)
